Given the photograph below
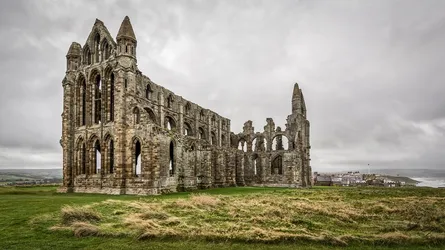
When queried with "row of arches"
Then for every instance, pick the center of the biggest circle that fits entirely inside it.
(96, 99)
(170, 124)
(100, 51)
(92, 158)
(279, 142)
(275, 169)
(169, 103)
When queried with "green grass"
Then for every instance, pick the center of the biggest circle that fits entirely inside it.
(27, 215)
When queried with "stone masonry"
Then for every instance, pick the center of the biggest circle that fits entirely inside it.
(124, 134)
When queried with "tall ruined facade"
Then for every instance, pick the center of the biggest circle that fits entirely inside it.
(124, 134)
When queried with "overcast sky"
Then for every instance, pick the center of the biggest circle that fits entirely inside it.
(372, 71)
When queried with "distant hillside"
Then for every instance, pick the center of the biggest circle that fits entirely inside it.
(30, 174)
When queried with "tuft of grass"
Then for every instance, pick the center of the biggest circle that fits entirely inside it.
(317, 216)
(71, 214)
(83, 229)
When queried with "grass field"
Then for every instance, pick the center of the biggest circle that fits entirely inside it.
(230, 218)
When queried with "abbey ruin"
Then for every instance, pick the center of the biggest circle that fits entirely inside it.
(124, 134)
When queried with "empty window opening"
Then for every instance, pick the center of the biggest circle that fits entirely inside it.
(97, 100)
(187, 129)
(201, 115)
(83, 159)
(223, 140)
(277, 165)
(213, 120)
(111, 156)
(97, 157)
(137, 159)
(201, 134)
(213, 140)
(136, 116)
(87, 56)
(96, 46)
(151, 115)
(169, 101)
(254, 144)
(169, 123)
(242, 145)
(280, 142)
(112, 97)
(105, 50)
(187, 108)
(83, 102)
(255, 171)
(172, 160)
(148, 92)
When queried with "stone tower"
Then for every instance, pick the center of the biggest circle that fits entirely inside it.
(124, 134)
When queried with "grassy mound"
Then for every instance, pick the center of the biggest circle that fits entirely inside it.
(328, 216)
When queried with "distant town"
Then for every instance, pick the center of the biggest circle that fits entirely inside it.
(355, 178)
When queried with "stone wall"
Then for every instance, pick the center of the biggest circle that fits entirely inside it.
(124, 134)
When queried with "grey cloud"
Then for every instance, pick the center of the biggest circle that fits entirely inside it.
(371, 71)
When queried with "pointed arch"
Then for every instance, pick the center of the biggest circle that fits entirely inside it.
(97, 157)
(108, 154)
(188, 129)
(223, 140)
(187, 108)
(201, 134)
(256, 165)
(213, 120)
(97, 47)
(172, 163)
(148, 92)
(277, 165)
(136, 115)
(97, 99)
(151, 115)
(170, 101)
(170, 123)
(80, 157)
(258, 144)
(202, 115)
(111, 104)
(242, 145)
(81, 100)
(106, 49)
(137, 157)
(86, 55)
(280, 142)
(213, 139)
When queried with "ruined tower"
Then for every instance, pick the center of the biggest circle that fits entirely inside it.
(124, 134)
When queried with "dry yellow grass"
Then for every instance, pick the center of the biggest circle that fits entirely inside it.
(282, 216)
(72, 214)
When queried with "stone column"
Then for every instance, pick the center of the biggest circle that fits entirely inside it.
(68, 122)
(181, 119)
(161, 108)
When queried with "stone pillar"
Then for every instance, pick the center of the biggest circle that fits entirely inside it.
(181, 119)
(219, 133)
(120, 143)
(67, 142)
(240, 168)
(161, 108)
